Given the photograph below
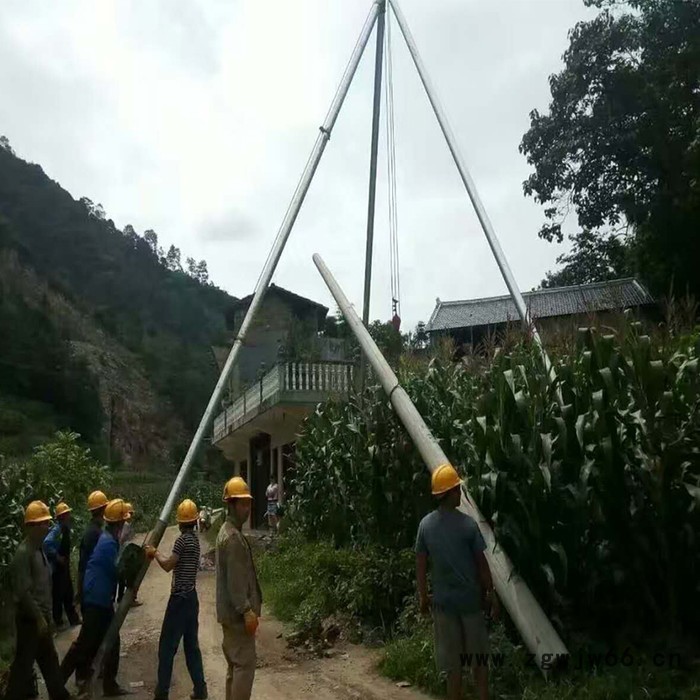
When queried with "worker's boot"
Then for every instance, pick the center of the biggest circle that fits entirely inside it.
(201, 694)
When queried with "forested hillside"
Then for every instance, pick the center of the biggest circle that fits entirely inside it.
(100, 330)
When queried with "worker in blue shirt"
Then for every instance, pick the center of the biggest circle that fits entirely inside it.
(99, 592)
(57, 547)
(96, 504)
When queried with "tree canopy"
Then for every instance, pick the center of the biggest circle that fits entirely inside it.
(620, 145)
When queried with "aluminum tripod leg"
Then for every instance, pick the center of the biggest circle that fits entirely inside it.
(373, 162)
(156, 534)
(536, 630)
(470, 187)
(371, 199)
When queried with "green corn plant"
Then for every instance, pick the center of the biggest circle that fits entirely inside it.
(596, 500)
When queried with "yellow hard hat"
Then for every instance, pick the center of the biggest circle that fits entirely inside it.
(444, 479)
(62, 508)
(36, 512)
(96, 500)
(129, 510)
(187, 511)
(116, 511)
(236, 488)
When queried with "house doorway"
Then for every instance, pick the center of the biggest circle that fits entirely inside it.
(259, 477)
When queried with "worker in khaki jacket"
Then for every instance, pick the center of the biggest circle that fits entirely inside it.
(238, 595)
(31, 585)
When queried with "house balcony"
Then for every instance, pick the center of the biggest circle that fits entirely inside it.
(279, 402)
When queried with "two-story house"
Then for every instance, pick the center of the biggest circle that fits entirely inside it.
(285, 369)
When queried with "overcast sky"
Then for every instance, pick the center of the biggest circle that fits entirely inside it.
(195, 118)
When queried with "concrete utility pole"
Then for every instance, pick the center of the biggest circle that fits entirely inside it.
(536, 630)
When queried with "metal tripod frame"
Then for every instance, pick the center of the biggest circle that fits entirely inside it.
(377, 10)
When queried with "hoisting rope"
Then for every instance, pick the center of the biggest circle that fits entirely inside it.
(391, 175)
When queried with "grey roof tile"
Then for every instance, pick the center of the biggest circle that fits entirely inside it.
(543, 303)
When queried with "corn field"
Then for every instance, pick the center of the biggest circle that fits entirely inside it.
(596, 500)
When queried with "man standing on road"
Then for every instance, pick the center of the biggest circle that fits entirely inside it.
(31, 586)
(99, 592)
(272, 495)
(181, 619)
(238, 595)
(57, 548)
(96, 503)
(462, 586)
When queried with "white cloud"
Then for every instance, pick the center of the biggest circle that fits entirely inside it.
(196, 119)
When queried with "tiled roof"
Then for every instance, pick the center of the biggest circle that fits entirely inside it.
(543, 303)
(285, 294)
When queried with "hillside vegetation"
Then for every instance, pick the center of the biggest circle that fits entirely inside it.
(100, 330)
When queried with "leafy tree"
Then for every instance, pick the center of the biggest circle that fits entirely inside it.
(620, 142)
(198, 270)
(418, 340)
(388, 340)
(95, 210)
(5, 144)
(69, 466)
(593, 258)
(201, 272)
(130, 234)
(151, 237)
(172, 259)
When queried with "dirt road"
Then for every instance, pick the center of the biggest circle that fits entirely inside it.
(282, 673)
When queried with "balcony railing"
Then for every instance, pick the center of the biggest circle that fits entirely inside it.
(310, 382)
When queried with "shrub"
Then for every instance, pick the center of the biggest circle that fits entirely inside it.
(306, 582)
(59, 470)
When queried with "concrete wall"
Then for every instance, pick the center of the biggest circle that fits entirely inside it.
(268, 334)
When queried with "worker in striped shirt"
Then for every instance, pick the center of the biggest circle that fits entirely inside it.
(181, 619)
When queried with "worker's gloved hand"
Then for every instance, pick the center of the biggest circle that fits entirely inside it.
(251, 622)
(150, 551)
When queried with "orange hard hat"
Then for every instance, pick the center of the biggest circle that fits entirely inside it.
(62, 508)
(96, 500)
(236, 488)
(36, 512)
(187, 511)
(116, 511)
(444, 479)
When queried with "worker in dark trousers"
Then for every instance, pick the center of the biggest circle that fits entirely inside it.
(99, 593)
(31, 585)
(181, 619)
(96, 503)
(57, 549)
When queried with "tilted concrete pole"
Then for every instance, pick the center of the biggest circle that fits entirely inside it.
(536, 630)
